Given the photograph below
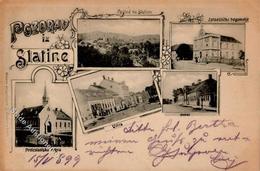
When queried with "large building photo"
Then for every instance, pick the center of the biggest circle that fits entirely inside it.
(208, 46)
(112, 95)
(212, 47)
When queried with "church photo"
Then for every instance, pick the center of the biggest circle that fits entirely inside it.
(43, 120)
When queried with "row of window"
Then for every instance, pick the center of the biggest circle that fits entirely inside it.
(64, 125)
(227, 54)
(199, 43)
(229, 45)
(215, 44)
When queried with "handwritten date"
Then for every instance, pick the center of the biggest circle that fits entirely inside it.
(43, 159)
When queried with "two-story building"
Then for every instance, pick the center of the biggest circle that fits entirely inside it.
(212, 47)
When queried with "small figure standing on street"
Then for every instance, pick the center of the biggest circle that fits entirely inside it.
(196, 59)
(242, 57)
(201, 103)
(206, 59)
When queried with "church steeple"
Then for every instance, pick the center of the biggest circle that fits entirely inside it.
(45, 98)
(202, 31)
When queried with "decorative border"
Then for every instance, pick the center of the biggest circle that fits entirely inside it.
(81, 14)
(229, 73)
(32, 80)
(218, 74)
(155, 78)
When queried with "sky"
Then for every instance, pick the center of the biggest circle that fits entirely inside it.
(174, 80)
(185, 33)
(135, 80)
(30, 94)
(132, 27)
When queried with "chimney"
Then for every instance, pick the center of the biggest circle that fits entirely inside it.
(210, 76)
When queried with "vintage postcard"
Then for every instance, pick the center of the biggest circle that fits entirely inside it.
(130, 85)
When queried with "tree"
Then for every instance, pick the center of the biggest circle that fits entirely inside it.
(241, 54)
(148, 48)
(124, 50)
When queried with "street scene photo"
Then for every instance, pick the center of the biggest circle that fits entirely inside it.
(42, 119)
(118, 43)
(191, 93)
(208, 46)
(103, 97)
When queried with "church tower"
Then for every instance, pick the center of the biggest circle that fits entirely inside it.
(202, 31)
(45, 98)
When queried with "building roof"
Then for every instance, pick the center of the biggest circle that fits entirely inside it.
(209, 85)
(31, 111)
(229, 39)
(97, 94)
(60, 114)
(224, 38)
(95, 87)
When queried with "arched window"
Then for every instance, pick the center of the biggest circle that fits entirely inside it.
(49, 127)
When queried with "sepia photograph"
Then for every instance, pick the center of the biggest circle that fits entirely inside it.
(103, 97)
(189, 92)
(208, 46)
(119, 42)
(42, 118)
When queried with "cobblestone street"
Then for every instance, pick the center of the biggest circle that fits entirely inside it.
(141, 108)
(177, 109)
(191, 65)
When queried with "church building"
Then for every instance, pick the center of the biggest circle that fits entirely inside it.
(52, 123)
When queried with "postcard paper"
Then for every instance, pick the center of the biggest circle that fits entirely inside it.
(130, 85)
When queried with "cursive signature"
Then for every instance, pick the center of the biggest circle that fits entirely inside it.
(220, 161)
(188, 17)
(193, 125)
(172, 142)
(109, 151)
(134, 127)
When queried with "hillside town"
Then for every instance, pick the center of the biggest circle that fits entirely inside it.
(112, 51)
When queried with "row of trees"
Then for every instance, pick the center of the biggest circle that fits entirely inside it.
(88, 56)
